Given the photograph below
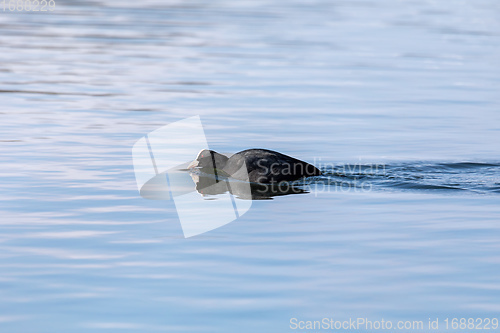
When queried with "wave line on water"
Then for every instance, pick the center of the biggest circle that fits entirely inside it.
(477, 177)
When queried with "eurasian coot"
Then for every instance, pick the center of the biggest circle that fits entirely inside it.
(262, 166)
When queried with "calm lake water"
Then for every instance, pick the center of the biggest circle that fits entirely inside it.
(412, 85)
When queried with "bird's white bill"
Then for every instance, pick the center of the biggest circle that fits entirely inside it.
(193, 164)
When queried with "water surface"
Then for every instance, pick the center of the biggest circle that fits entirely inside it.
(410, 85)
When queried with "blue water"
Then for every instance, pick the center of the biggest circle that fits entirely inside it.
(409, 85)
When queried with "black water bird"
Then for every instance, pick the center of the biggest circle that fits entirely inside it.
(260, 166)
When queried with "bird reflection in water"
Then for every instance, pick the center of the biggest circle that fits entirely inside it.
(211, 184)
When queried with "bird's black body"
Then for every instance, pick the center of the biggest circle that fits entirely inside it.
(261, 166)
